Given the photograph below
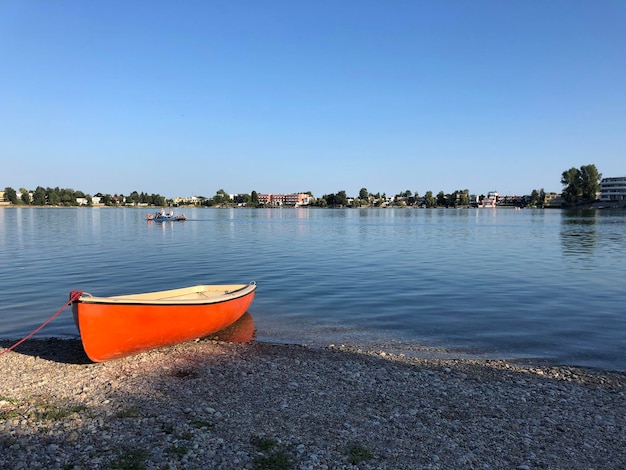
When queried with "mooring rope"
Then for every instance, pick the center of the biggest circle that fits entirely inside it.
(74, 295)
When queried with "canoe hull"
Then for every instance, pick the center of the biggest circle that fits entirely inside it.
(116, 327)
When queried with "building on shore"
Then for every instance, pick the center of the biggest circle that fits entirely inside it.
(294, 199)
(553, 200)
(613, 189)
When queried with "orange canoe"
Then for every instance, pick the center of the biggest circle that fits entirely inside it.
(115, 327)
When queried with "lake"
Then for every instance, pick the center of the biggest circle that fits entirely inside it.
(488, 283)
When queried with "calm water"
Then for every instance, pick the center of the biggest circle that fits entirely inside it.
(545, 284)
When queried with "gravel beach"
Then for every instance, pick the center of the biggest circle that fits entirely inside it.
(219, 405)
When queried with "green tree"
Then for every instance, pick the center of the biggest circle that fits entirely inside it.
(590, 182)
(534, 198)
(68, 198)
(538, 198)
(24, 196)
(571, 180)
(363, 194)
(155, 200)
(451, 199)
(335, 200)
(342, 198)
(429, 199)
(39, 196)
(10, 195)
(441, 199)
(135, 198)
(463, 198)
(54, 196)
(580, 183)
(254, 199)
(221, 197)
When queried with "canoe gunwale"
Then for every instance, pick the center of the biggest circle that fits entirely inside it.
(135, 299)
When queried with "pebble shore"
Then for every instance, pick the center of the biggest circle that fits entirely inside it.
(216, 405)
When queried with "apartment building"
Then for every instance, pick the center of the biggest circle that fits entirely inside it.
(294, 199)
(613, 189)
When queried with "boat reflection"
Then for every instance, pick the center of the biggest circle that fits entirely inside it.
(242, 331)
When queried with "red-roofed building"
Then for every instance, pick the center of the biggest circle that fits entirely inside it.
(294, 199)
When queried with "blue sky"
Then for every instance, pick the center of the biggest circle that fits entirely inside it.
(188, 97)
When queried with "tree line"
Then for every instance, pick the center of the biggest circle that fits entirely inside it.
(581, 186)
(68, 197)
(459, 198)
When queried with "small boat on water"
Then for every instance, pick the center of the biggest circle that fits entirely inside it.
(120, 326)
(163, 217)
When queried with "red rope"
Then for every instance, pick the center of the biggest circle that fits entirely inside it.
(74, 295)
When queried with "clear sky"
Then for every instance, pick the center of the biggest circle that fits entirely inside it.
(188, 97)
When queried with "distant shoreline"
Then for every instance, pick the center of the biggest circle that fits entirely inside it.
(594, 206)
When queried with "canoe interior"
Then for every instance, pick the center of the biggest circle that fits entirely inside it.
(201, 294)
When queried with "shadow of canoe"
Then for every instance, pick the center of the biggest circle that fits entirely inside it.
(70, 351)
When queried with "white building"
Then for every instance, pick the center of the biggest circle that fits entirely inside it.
(613, 189)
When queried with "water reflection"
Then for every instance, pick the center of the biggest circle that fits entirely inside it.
(579, 235)
(165, 226)
(242, 331)
(495, 279)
